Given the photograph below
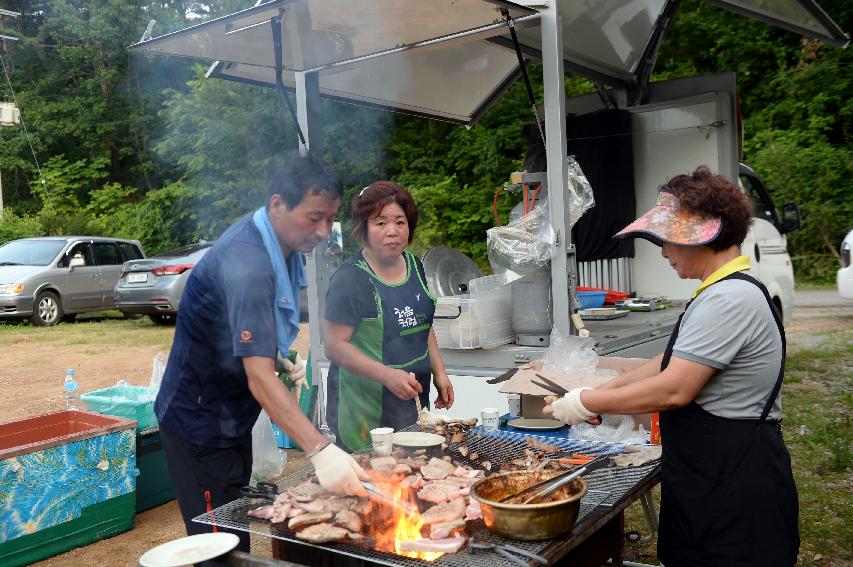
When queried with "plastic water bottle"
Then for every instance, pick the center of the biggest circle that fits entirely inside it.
(72, 391)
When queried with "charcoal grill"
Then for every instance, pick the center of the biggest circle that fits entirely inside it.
(607, 488)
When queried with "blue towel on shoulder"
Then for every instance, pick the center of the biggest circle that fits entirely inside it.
(289, 280)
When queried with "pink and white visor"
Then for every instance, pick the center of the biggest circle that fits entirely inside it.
(667, 222)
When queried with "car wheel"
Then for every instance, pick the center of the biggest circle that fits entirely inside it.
(162, 319)
(47, 310)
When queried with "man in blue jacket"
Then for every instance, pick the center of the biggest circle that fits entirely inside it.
(240, 309)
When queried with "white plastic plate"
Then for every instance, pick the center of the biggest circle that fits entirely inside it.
(417, 439)
(536, 424)
(189, 550)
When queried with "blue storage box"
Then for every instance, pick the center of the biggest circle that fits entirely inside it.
(590, 299)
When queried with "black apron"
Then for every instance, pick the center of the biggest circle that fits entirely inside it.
(728, 496)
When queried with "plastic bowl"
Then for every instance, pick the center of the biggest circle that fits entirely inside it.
(591, 299)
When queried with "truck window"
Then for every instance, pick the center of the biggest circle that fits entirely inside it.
(763, 209)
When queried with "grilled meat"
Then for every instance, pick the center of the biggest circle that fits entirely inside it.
(306, 491)
(442, 530)
(447, 512)
(308, 519)
(349, 520)
(322, 533)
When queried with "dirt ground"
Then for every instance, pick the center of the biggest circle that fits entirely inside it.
(32, 369)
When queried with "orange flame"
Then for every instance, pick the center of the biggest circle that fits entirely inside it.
(400, 526)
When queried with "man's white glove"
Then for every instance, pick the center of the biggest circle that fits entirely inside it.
(338, 472)
(569, 409)
(295, 371)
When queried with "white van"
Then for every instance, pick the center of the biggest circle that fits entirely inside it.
(766, 244)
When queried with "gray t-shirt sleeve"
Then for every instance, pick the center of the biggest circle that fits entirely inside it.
(713, 331)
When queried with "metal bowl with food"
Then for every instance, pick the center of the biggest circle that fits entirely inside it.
(554, 515)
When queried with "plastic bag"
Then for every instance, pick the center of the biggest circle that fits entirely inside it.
(525, 244)
(613, 428)
(268, 461)
(572, 354)
(578, 191)
(157, 370)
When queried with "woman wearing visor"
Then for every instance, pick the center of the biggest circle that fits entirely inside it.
(379, 316)
(727, 492)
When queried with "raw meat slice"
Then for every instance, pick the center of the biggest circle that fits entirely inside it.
(447, 512)
(280, 512)
(447, 545)
(442, 530)
(306, 519)
(262, 512)
(322, 533)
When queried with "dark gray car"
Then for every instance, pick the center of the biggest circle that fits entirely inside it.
(154, 286)
(51, 278)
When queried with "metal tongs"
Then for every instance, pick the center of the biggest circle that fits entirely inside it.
(406, 507)
(264, 490)
(509, 552)
(550, 385)
(548, 486)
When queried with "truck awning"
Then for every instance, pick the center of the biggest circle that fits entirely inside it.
(445, 59)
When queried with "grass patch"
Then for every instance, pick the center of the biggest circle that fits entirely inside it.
(101, 330)
(816, 399)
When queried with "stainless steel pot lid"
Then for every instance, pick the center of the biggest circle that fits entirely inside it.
(448, 271)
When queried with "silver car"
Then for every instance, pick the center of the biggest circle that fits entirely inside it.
(52, 278)
(154, 286)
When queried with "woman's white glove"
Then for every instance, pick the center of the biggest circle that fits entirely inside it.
(569, 409)
(295, 371)
(338, 472)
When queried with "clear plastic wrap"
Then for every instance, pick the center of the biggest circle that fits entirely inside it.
(268, 461)
(571, 354)
(578, 191)
(613, 428)
(525, 244)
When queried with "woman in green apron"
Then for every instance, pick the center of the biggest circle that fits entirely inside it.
(378, 331)
(727, 491)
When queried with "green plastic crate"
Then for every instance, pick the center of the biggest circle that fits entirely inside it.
(96, 522)
(153, 486)
(131, 402)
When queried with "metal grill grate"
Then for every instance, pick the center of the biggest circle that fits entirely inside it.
(605, 488)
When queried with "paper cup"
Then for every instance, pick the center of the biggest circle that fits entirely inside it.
(514, 403)
(383, 440)
(490, 418)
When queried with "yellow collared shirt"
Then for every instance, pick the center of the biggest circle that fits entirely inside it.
(739, 264)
